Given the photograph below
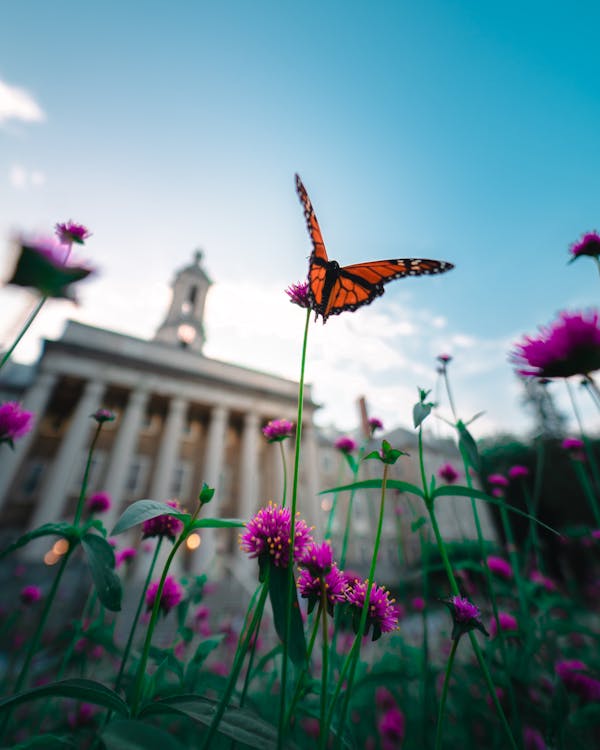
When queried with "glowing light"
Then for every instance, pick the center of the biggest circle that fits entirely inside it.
(193, 541)
(326, 504)
(186, 333)
(60, 547)
(50, 558)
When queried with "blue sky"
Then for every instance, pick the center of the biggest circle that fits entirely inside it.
(455, 130)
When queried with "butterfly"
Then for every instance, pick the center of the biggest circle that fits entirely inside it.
(332, 288)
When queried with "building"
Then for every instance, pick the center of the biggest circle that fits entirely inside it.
(182, 419)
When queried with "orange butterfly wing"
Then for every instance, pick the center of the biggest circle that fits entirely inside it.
(333, 288)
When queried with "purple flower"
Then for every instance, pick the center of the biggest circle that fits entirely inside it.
(570, 444)
(69, 232)
(278, 430)
(574, 675)
(518, 472)
(569, 346)
(333, 581)
(171, 595)
(538, 577)
(126, 555)
(507, 623)
(382, 615)
(500, 566)
(14, 421)
(589, 245)
(497, 480)
(444, 358)
(30, 594)
(166, 525)
(317, 558)
(99, 502)
(465, 616)
(103, 415)
(448, 473)
(299, 294)
(533, 739)
(418, 603)
(374, 425)
(391, 729)
(267, 535)
(345, 444)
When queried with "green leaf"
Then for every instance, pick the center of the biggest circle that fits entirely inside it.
(101, 560)
(62, 529)
(239, 724)
(80, 689)
(420, 413)
(135, 735)
(375, 484)
(416, 525)
(45, 742)
(143, 510)
(278, 594)
(458, 491)
(468, 447)
(218, 523)
(589, 716)
(50, 278)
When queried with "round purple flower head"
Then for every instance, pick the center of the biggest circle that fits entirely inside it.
(569, 346)
(589, 245)
(374, 425)
(573, 674)
(69, 232)
(103, 415)
(533, 739)
(126, 555)
(574, 447)
(317, 558)
(267, 535)
(278, 430)
(497, 480)
(507, 623)
(166, 525)
(170, 597)
(30, 594)
(345, 444)
(298, 294)
(518, 472)
(391, 729)
(444, 358)
(333, 581)
(448, 473)
(99, 502)
(500, 566)
(383, 614)
(14, 421)
(465, 616)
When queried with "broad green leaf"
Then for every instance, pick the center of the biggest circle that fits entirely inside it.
(468, 447)
(51, 278)
(218, 523)
(375, 484)
(135, 735)
(458, 491)
(143, 510)
(278, 594)
(239, 724)
(101, 560)
(63, 529)
(80, 689)
(45, 742)
(420, 413)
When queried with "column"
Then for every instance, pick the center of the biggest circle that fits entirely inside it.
(312, 512)
(213, 469)
(249, 467)
(53, 496)
(122, 452)
(36, 400)
(168, 451)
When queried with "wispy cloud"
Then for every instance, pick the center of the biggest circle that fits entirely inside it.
(18, 104)
(22, 178)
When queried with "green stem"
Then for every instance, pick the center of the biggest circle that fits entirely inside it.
(514, 561)
(28, 322)
(237, 665)
(589, 451)
(86, 475)
(587, 488)
(333, 505)
(136, 618)
(365, 610)
(438, 734)
(300, 683)
(290, 586)
(284, 462)
(324, 668)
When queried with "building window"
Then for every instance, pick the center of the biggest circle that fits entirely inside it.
(136, 477)
(180, 481)
(33, 476)
(151, 424)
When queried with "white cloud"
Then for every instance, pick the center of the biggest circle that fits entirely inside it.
(18, 104)
(22, 178)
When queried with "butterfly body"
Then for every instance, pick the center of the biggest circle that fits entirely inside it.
(334, 289)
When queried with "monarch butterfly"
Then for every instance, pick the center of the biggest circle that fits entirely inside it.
(333, 288)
